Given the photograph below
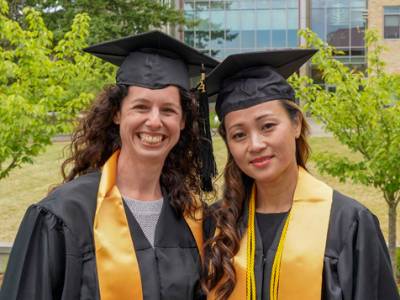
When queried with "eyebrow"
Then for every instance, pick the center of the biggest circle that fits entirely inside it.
(145, 100)
(257, 119)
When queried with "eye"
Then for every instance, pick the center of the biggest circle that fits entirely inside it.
(267, 126)
(140, 107)
(169, 110)
(238, 136)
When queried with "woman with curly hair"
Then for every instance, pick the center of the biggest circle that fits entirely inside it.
(125, 224)
(281, 234)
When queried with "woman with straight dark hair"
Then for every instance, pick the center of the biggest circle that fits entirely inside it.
(279, 233)
(126, 223)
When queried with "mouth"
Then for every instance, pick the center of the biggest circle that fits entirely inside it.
(151, 139)
(261, 161)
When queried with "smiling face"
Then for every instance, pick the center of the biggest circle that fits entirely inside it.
(150, 122)
(262, 140)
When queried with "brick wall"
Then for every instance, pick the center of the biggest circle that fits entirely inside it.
(375, 21)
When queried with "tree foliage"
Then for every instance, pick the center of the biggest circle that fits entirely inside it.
(363, 113)
(43, 85)
(109, 19)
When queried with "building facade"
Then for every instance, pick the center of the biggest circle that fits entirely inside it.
(223, 27)
(384, 16)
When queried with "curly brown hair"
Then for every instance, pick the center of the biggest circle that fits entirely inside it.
(97, 137)
(221, 249)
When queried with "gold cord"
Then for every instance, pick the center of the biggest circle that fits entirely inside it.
(251, 243)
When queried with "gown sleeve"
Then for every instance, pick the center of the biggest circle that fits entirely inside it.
(36, 265)
(364, 268)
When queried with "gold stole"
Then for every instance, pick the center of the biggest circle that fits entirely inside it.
(301, 265)
(117, 266)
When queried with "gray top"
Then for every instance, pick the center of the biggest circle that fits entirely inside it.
(146, 214)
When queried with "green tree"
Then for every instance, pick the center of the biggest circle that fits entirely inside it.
(43, 86)
(363, 113)
(109, 19)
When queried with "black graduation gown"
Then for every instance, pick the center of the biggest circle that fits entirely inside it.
(54, 258)
(356, 261)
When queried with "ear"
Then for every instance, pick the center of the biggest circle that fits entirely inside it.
(117, 118)
(297, 124)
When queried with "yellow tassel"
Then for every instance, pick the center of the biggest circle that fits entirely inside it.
(251, 249)
(274, 283)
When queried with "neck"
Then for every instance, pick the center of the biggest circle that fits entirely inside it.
(138, 179)
(277, 195)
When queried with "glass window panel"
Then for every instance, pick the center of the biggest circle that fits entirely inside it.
(201, 39)
(248, 20)
(189, 38)
(231, 51)
(202, 19)
(278, 3)
(201, 5)
(292, 16)
(357, 16)
(217, 20)
(358, 52)
(263, 38)
(232, 39)
(337, 3)
(215, 52)
(318, 22)
(278, 38)
(278, 19)
(359, 67)
(245, 50)
(248, 4)
(233, 20)
(292, 38)
(392, 27)
(188, 5)
(217, 39)
(217, 5)
(338, 33)
(359, 3)
(358, 59)
(391, 21)
(248, 38)
(343, 59)
(392, 10)
(292, 3)
(263, 19)
(357, 36)
(318, 3)
(233, 4)
(263, 4)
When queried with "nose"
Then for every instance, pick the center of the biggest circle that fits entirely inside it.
(154, 119)
(256, 143)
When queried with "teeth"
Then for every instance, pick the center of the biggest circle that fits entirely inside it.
(150, 139)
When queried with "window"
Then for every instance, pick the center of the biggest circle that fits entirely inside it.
(392, 22)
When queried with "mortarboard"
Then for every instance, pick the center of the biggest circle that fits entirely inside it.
(155, 60)
(247, 79)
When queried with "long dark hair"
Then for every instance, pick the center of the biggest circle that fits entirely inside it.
(97, 137)
(222, 248)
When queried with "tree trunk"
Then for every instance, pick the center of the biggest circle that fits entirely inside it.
(392, 233)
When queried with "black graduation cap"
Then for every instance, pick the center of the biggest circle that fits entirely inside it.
(155, 60)
(246, 79)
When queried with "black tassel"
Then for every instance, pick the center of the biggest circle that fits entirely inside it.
(209, 167)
